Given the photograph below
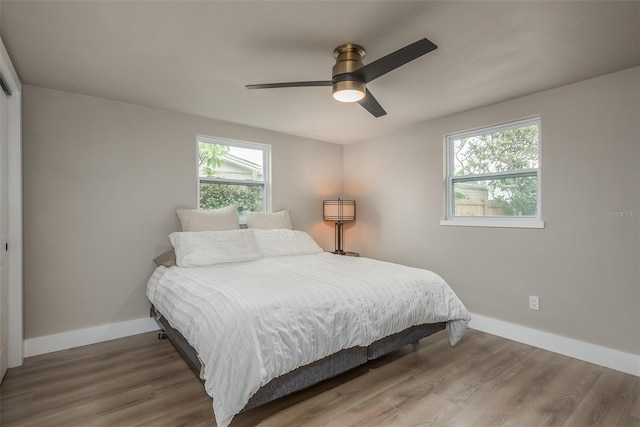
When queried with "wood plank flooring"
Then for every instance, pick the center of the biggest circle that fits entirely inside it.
(483, 381)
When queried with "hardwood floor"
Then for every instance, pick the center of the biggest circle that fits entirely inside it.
(483, 381)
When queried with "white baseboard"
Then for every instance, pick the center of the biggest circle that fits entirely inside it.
(592, 353)
(80, 337)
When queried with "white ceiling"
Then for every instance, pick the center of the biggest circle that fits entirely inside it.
(196, 57)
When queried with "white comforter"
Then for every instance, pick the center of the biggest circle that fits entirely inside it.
(253, 321)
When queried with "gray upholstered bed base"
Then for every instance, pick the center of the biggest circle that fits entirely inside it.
(311, 374)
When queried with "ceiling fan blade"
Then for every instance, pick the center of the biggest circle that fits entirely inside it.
(394, 60)
(289, 84)
(371, 104)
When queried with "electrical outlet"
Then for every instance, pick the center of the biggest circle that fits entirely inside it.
(534, 302)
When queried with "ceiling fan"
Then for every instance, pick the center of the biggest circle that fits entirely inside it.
(350, 75)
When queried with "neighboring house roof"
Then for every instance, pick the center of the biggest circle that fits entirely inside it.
(233, 167)
(242, 163)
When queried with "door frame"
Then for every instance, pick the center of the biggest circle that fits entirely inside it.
(14, 238)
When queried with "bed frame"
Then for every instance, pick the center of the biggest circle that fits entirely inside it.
(307, 375)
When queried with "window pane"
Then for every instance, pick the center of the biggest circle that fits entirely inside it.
(509, 196)
(499, 151)
(230, 162)
(246, 197)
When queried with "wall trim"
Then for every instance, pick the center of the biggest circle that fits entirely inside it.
(14, 214)
(620, 361)
(80, 337)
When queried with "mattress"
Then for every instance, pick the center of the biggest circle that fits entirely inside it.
(250, 322)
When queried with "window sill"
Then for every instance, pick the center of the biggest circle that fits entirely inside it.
(494, 222)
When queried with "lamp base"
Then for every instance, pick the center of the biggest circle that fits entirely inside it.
(338, 246)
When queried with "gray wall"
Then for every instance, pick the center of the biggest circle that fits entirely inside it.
(583, 264)
(102, 180)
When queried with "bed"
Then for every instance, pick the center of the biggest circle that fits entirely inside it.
(263, 313)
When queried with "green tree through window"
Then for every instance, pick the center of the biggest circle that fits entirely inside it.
(494, 171)
(507, 150)
(232, 173)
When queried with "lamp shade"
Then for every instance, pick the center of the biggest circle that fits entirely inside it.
(339, 210)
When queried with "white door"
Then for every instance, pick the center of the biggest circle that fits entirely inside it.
(4, 278)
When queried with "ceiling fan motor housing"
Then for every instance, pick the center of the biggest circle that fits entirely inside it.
(348, 59)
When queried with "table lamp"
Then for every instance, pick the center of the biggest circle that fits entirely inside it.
(339, 211)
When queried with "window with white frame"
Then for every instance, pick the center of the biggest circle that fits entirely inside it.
(493, 176)
(232, 172)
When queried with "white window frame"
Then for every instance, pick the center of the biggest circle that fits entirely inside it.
(490, 221)
(266, 168)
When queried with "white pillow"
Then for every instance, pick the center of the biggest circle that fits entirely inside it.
(269, 221)
(283, 242)
(197, 248)
(209, 220)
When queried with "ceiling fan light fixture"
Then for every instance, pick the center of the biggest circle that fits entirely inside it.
(349, 91)
(350, 75)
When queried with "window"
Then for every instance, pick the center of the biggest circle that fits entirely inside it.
(231, 172)
(493, 176)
